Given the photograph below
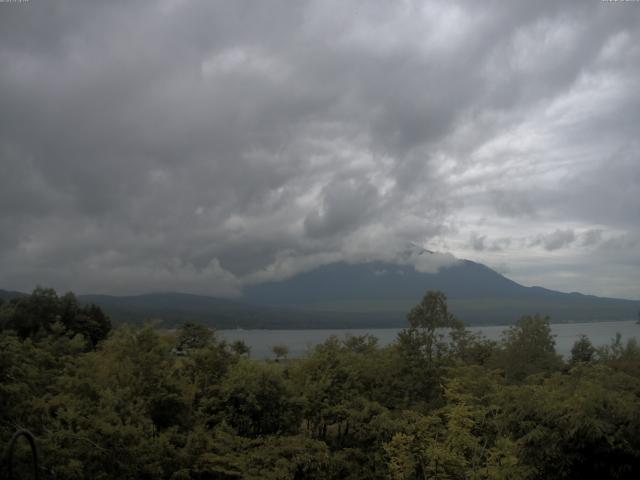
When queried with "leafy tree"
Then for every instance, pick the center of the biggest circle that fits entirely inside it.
(241, 348)
(438, 403)
(458, 440)
(280, 351)
(528, 347)
(193, 335)
(205, 369)
(621, 356)
(256, 400)
(583, 424)
(427, 324)
(365, 344)
(138, 364)
(327, 384)
(89, 321)
(35, 315)
(225, 455)
(426, 346)
(582, 351)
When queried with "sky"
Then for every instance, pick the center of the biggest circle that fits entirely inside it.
(200, 146)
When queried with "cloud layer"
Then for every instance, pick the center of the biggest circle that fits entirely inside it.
(201, 145)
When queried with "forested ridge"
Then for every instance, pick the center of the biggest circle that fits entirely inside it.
(439, 403)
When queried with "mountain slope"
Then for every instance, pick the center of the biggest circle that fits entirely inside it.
(476, 293)
(373, 294)
(382, 281)
(172, 309)
(9, 294)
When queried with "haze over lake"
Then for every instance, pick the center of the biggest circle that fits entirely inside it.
(301, 341)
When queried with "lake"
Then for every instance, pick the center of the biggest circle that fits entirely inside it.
(301, 341)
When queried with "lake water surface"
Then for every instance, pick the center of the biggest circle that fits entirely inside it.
(301, 341)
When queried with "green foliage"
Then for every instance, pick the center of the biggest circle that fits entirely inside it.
(241, 348)
(36, 314)
(458, 440)
(431, 341)
(584, 424)
(193, 335)
(255, 400)
(280, 351)
(582, 351)
(429, 321)
(439, 403)
(528, 347)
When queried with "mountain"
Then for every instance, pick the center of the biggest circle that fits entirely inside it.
(380, 281)
(9, 294)
(476, 293)
(172, 309)
(371, 294)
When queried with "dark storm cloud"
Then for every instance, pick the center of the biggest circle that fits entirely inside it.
(344, 206)
(556, 240)
(478, 242)
(199, 145)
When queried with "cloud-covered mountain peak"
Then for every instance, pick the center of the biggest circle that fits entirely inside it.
(424, 260)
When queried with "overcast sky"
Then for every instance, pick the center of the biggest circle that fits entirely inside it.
(200, 145)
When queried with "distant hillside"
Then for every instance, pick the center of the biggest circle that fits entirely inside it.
(172, 309)
(477, 294)
(382, 281)
(373, 294)
(8, 294)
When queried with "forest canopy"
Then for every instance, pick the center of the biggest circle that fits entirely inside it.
(438, 403)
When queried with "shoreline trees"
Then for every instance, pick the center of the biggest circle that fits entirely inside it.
(438, 403)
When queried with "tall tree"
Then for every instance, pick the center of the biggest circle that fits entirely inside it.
(528, 347)
(429, 321)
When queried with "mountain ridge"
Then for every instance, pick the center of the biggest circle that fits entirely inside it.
(367, 294)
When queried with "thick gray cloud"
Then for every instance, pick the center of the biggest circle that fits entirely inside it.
(201, 145)
(556, 240)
